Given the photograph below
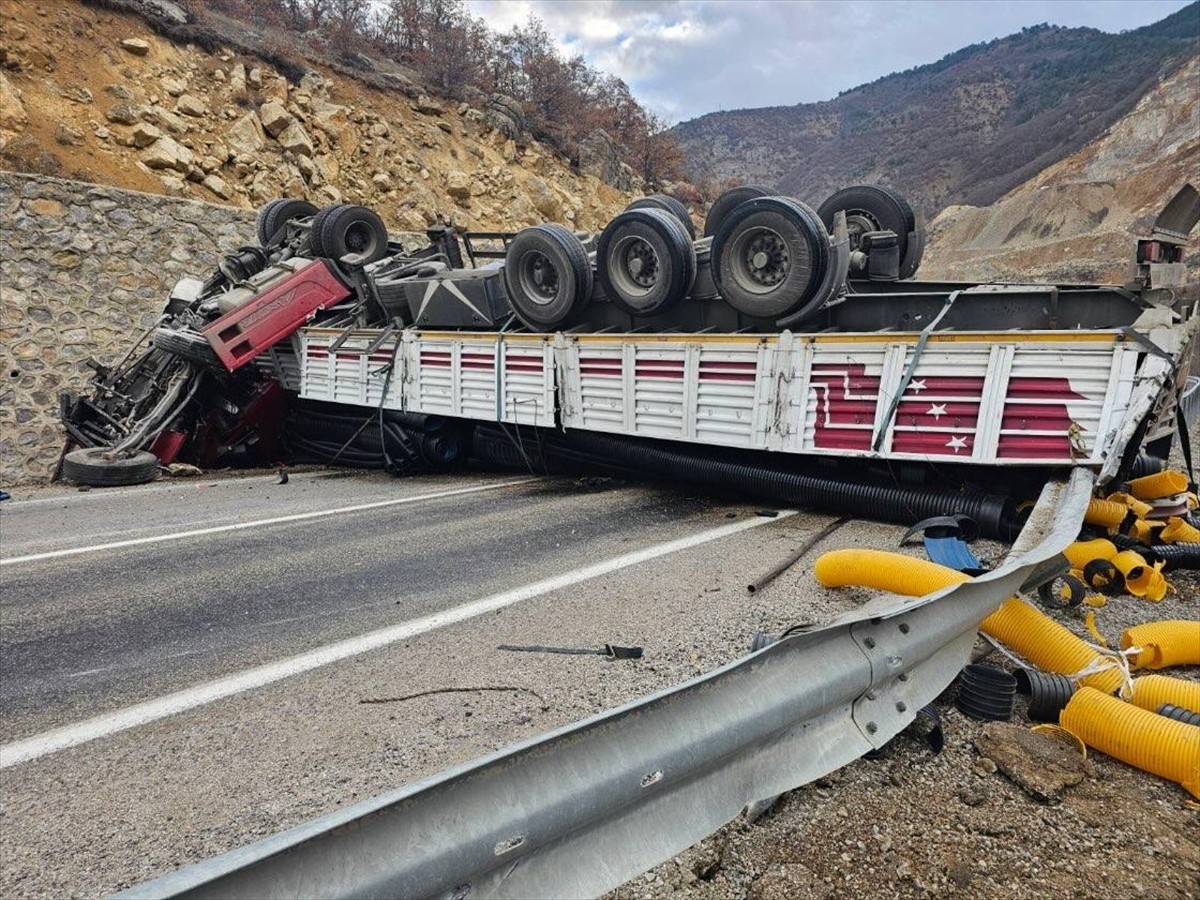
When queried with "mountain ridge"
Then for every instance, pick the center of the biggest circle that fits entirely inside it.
(967, 128)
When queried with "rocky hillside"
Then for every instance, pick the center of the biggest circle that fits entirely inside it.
(1076, 220)
(92, 94)
(966, 129)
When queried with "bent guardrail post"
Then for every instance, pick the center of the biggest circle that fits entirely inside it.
(580, 810)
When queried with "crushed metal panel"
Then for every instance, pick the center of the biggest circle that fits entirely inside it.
(581, 810)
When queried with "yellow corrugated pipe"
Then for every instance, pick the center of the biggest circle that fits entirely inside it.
(1178, 531)
(1140, 508)
(1158, 485)
(1143, 530)
(1141, 578)
(1080, 553)
(1172, 642)
(1152, 691)
(1015, 624)
(1136, 736)
(1106, 513)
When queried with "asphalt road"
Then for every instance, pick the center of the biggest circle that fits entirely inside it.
(117, 601)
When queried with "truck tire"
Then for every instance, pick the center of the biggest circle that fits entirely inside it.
(187, 345)
(870, 207)
(728, 201)
(547, 276)
(314, 228)
(670, 204)
(90, 468)
(769, 256)
(274, 215)
(645, 261)
(346, 230)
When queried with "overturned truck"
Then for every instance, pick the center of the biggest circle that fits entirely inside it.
(786, 351)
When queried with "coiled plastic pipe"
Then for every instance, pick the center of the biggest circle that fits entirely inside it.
(1179, 556)
(1159, 485)
(1106, 513)
(1141, 578)
(1152, 691)
(1080, 553)
(1045, 643)
(1136, 736)
(1179, 531)
(1172, 642)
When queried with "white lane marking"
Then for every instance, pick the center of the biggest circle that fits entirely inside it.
(199, 695)
(18, 503)
(259, 523)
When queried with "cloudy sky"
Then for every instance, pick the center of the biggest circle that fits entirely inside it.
(684, 58)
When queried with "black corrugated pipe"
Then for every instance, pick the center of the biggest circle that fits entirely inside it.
(1179, 714)
(1048, 693)
(1178, 556)
(985, 692)
(886, 502)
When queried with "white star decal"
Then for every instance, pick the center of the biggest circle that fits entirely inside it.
(937, 410)
(917, 386)
(956, 443)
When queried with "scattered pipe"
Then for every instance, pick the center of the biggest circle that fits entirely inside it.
(798, 555)
(1178, 556)
(1016, 624)
(1080, 553)
(1179, 532)
(1106, 514)
(985, 692)
(1152, 691)
(1136, 736)
(1048, 693)
(1159, 485)
(1179, 714)
(1172, 642)
(1141, 579)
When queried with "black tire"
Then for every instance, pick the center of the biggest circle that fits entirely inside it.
(314, 228)
(670, 204)
(187, 345)
(547, 276)
(89, 467)
(869, 207)
(350, 230)
(730, 200)
(769, 256)
(274, 215)
(645, 261)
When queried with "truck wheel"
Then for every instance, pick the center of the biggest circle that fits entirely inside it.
(728, 201)
(547, 276)
(274, 215)
(869, 207)
(187, 345)
(769, 256)
(645, 261)
(670, 204)
(346, 230)
(90, 467)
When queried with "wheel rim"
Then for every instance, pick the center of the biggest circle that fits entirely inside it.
(634, 267)
(858, 223)
(761, 261)
(360, 238)
(538, 277)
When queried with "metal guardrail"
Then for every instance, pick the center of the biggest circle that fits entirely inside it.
(580, 810)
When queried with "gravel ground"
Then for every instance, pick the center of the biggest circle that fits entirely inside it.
(914, 824)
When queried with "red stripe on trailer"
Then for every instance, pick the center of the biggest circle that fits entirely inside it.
(726, 376)
(944, 386)
(1041, 389)
(672, 371)
(929, 443)
(479, 365)
(1026, 417)
(729, 365)
(845, 439)
(1031, 446)
(845, 410)
(600, 372)
(933, 414)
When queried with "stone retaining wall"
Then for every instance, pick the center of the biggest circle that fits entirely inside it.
(83, 269)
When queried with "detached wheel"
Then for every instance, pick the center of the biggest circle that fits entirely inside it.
(275, 215)
(90, 467)
(187, 345)
(349, 230)
(869, 207)
(769, 256)
(669, 204)
(547, 276)
(645, 261)
(728, 202)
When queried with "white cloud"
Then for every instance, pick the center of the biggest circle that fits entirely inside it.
(684, 58)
